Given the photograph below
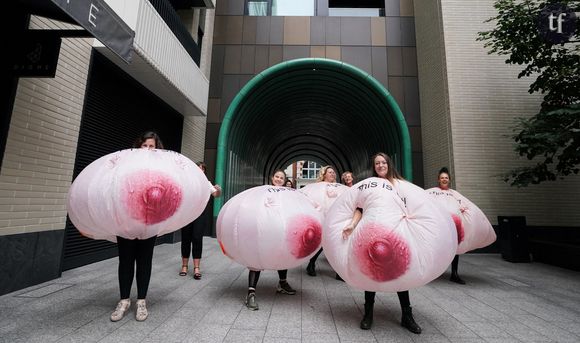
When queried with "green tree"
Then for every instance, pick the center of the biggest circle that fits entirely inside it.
(551, 138)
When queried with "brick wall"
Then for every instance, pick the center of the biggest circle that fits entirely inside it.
(434, 97)
(193, 139)
(485, 97)
(41, 146)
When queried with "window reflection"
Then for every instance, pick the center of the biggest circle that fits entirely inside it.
(342, 8)
(258, 8)
(293, 7)
(280, 7)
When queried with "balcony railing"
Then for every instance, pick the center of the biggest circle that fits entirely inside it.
(171, 18)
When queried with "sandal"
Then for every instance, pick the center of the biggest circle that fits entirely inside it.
(196, 275)
(183, 271)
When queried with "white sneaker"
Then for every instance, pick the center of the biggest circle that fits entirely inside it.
(122, 308)
(142, 313)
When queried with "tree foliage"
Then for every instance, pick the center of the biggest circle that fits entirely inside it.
(552, 136)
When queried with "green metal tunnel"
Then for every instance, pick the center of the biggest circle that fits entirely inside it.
(313, 109)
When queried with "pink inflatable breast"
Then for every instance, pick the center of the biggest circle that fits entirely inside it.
(137, 193)
(269, 227)
(473, 228)
(403, 240)
(323, 194)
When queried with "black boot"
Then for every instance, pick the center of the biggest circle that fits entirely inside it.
(367, 320)
(455, 278)
(310, 269)
(408, 321)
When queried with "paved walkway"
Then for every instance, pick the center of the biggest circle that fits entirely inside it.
(502, 302)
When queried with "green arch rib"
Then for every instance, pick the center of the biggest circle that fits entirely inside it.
(298, 64)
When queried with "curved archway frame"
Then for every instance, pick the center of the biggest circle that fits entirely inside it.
(237, 108)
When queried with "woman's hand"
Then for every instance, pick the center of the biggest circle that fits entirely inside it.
(356, 217)
(347, 231)
(218, 191)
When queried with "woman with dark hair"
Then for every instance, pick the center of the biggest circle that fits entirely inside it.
(443, 182)
(289, 183)
(383, 167)
(136, 252)
(278, 179)
(148, 140)
(192, 234)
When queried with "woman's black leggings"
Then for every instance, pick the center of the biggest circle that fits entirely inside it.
(192, 240)
(315, 257)
(455, 264)
(254, 276)
(133, 251)
(403, 298)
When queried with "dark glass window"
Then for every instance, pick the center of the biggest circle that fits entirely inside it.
(356, 8)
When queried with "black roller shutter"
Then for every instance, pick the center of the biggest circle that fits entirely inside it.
(117, 110)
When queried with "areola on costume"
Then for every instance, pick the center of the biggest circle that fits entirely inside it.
(150, 196)
(473, 227)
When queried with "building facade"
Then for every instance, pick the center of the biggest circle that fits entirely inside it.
(95, 104)
(329, 122)
(469, 104)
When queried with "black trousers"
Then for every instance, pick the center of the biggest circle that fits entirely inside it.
(254, 276)
(131, 252)
(315, 257)
(403, 298)
(192, 234)
(192, 240)
(455, 264)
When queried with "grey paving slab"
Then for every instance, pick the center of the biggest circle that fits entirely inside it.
(487, 330)
(467, 340)
(95, 330)
(392, 334)
(432, 338)
(523, 332)
(245, 336)
(573, 327)
(501, 302)
(548, 329)
(208, 333)
(502, 340)
(284, 326)
(320, 337)
(280, 340)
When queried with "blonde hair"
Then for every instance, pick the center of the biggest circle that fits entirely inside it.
(323, 171)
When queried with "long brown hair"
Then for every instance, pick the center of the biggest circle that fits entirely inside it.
(392, 172)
